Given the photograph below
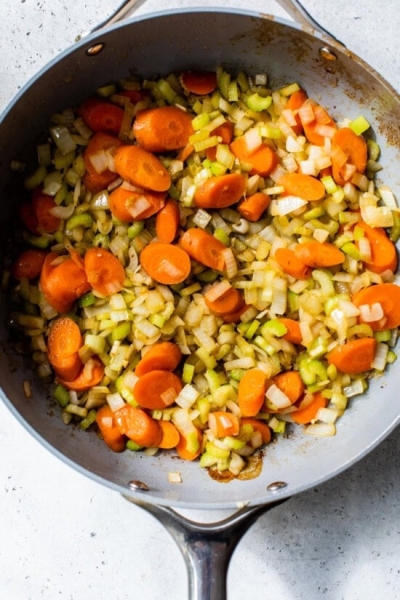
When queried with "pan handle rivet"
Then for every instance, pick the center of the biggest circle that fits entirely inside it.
(276, 485)
(327, 54)
(135, 485)
(94, 50)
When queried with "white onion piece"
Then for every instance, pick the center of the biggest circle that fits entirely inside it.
(286, 205)
(321, 429)
(115, 401)
(138, 206)
(277, 397)
(380, 357)
(62, 212)
(217, 290)
(371, 312)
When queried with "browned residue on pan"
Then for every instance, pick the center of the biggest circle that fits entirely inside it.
(252, 470)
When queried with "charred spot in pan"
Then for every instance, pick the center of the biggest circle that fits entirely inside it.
(252, 470)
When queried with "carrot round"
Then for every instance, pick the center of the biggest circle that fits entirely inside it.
(234, 317)
(293, 330)
(291, 264)
(62, 283)
(141, 168)
(28, 264)
(383, 251)
(127, 205)
(28, 217)
(263, 160)
(100, 115)
(199, 82)
(63, 343)
(104, 271)
(165, 263)
(138, 426)
(228, 303)
(183, 451)
(91, 375)
(295, 101)
(258, 426)
(170, 435)
(164, 356)
(309, 128)
(204, 248)
(319, 254)
(353, 357)
(223, 423)
(304, 186)
(163, 129)
(251, 392)
(157, 389)
(252, 207)
(167, 221)
(42, 205)
(388, 296)
(94, 181)
(109, 429)
(225, 132)
(220, 191)
(354, 146)
(302, 416)
(291, 384)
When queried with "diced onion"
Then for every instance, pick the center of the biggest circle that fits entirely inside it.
(286, 205)
(277, 397)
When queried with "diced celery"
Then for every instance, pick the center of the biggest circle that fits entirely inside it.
(222, 236)
(121, 331)
(212, 379)
(208, 460)
(391, 357)
(258, 103)
(166, 90)
(87, 299)
(251, 329)
(359, 125)
(84, 219)
(288, 90)
(201, 121)
(216, 451)
(187, 373)
(274, 327)
(133, 446)
(373, 149)
(36, 178)
(107, 90)
(224, 80)
(61, 394)
(351, 250)
(88, 420)
(207, 359)
(236, 374)
(243, 81)
(395, 229)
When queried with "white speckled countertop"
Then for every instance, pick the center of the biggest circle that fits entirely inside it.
(64, 537)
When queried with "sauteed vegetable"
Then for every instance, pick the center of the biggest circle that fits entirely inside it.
(205, 264)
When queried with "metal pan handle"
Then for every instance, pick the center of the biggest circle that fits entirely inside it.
(293, 7)
(206, 547)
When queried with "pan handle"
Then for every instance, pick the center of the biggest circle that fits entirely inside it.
(206, 547)
(293, 7)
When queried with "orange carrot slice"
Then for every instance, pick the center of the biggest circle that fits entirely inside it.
(220, 191)
(164, 356)
(304, 186)
(109, 429)
(138, 426)
(141, 168)
(251, 392)
(163, 129)
(104, 272)
(157, 389)
(355, 356)
(165, 263)
(388, 296)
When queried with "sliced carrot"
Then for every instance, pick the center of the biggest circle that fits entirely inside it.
(167, 221)
(28, 264)
(223, 131)
(28, 217)
(42, 205)
(109, 429)
(293, 330)
(157, 389)
(383, 251)
(138, 426)
(141, 168)
(234, 317)
(263, 160)
(127, 205)
(104, 271)
(291, 264)
(310, 128)
(170, 435)
(227, 303)
(355, 148)
(163, 129)
(251, 392)
(355, 356)
(99, 142)
(199, 82)
(295, 101)
(223, 423)
(260, 426)
(91, 375)
(187, 453)
(305, 415)
(101, 115)
(304, 186)
(185, 152)
(252, 207)
(62, 283)
(220, 191)
(388, 296)
(133, 95)
(291, 384)
(319, 254)
(204, 248)
(164, 356)
(63, 343)
(165, 263)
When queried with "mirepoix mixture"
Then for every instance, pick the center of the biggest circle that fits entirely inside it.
(204, 264)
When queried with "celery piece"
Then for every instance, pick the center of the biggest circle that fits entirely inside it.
(215, 98)
(351, 250)
(222, 236)
(201, 121)
(61, 194)
(395, 229)
(212, 379)
(166, 90)
(39, 241)
(224, 81)
(216, 451)
(217, 169)
(314, 213)
(88, 420)
(87, 300)
(258, 103)
(312, 370)
(30, 308)
(107, 90)
(62, 161)
(157, 320)
(274, 328)
(383, 336)
(373, 150)
(206, 358)
(277, 426)
(36, 178)
(61, 394)
(79, 165)
(208, 276)
(251, 329)
(174, 192)
(187, 373)
(133, 446)
(236, 374)
(84, 219)
(359, 125)
(243, 81)
(208, 460)
(101, 240)
(121, 331)
(233, 442)
(391, 357)
(233, 92)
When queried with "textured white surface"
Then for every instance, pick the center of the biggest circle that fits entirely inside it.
(62, 536)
